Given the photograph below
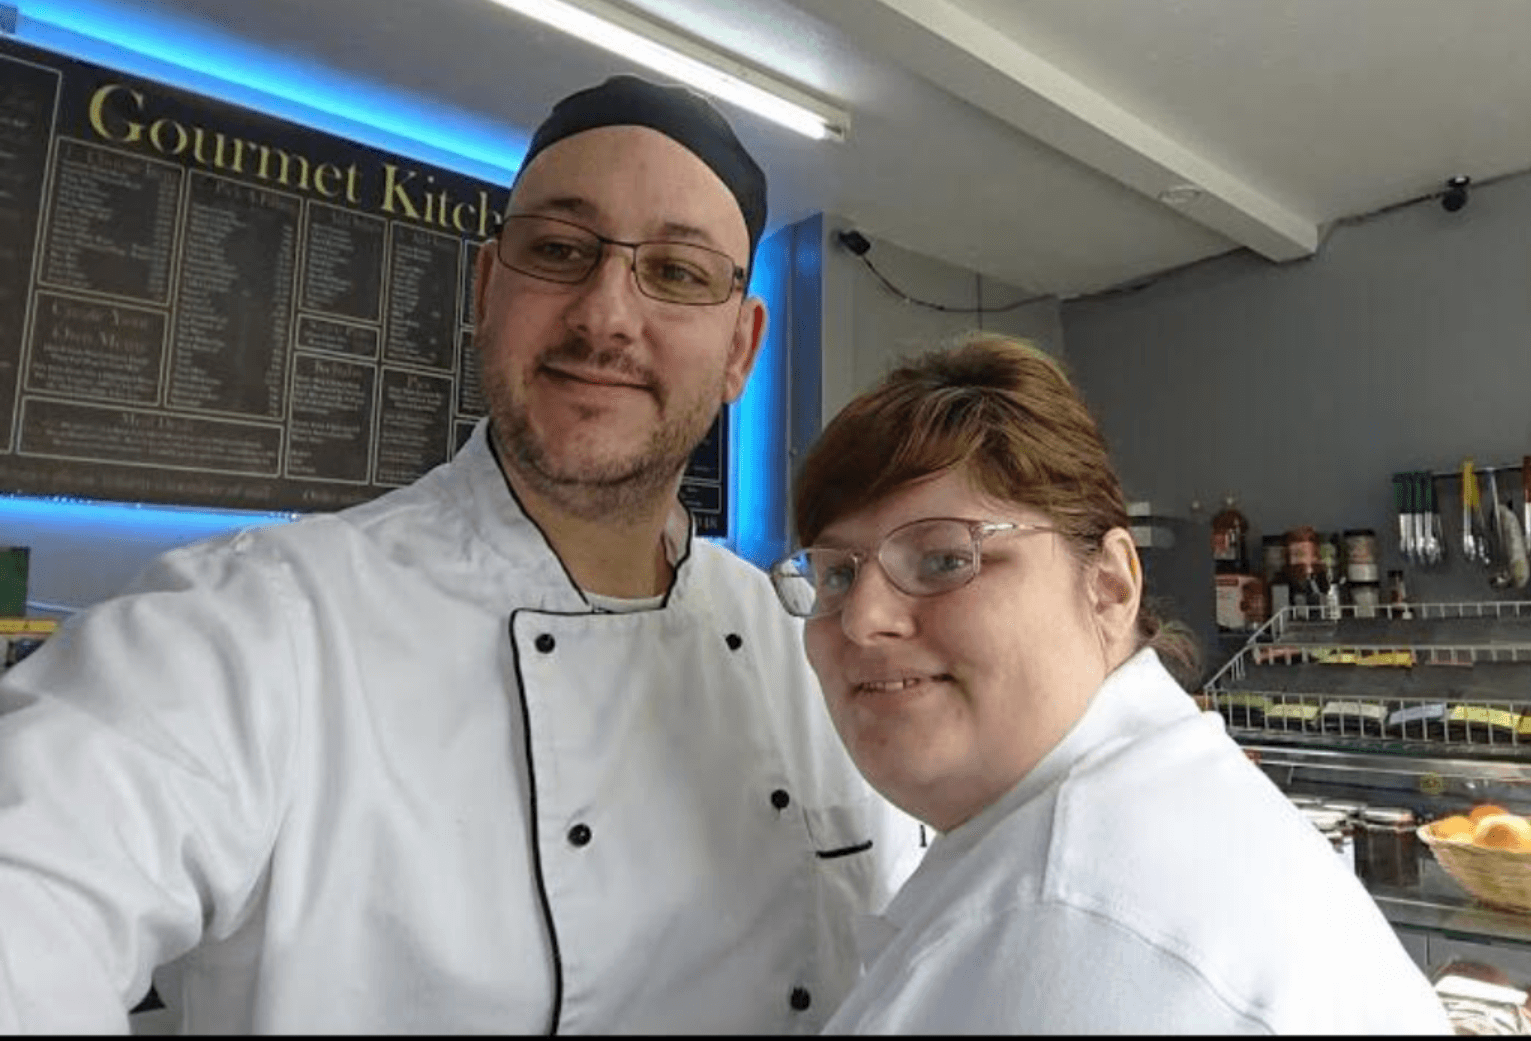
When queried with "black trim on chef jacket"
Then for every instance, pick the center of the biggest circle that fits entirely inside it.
(844, 851)
(494, 452)
(526, 719)
(531, 794)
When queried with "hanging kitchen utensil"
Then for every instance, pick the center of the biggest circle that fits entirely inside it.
(1498, 547)
(1469, 516)
(1525, 492)
(1482, 533)
(1400, 507)
(1516, 563)
(1501, 555)
(1493, 498)
(1407, 538)
(1430, 520)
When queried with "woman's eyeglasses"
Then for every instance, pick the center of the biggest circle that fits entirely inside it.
(922, 558)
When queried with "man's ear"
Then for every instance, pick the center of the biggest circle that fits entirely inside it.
(483, 264)
(749, 333)
(1116, 589)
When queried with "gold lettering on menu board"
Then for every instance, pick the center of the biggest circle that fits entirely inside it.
(122, 115)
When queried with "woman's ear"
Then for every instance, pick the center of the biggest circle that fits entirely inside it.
(1116, 589)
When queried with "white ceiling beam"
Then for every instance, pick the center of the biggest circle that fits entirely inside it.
(968, 57)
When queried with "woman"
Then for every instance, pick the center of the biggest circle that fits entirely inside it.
(1108, 860)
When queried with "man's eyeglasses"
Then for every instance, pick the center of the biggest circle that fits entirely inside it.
(922, 558)
(559, 251)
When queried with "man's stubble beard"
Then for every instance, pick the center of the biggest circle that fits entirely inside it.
(624, 487)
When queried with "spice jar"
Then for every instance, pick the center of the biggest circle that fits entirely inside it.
(1392, 857)
(1301, 555)
(1361, 555)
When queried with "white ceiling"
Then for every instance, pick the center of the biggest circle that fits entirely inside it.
(1025, 139)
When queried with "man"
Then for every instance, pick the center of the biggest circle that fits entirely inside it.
(507, 750)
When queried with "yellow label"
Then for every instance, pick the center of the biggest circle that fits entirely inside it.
(1336, 657)
(1330, 656)
(41, 626)
(1403, 658)
(1479, 714)
(1304, 713)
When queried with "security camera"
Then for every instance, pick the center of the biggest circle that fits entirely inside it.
(1455, 196)
(854, 241)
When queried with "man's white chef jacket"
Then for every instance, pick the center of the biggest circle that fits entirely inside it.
(1145, 877)
(386, 771)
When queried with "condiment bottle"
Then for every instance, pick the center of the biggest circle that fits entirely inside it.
(1398, 595)
(1273, 553)
(1230, 534)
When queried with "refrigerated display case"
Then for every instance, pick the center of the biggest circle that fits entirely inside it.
(1417, 708)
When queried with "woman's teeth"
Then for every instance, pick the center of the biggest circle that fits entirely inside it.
(888, 686)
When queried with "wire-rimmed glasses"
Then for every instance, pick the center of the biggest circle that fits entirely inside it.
(922, 558)
(561, 251)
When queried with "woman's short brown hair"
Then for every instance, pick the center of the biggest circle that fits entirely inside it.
(1008, 412)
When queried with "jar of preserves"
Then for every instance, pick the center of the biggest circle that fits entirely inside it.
(1301, 555)
(1240, 602)
(1361, 555)
(1392, 848)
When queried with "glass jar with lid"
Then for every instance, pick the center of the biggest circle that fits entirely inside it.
(1352, 809)
(1392, 856)
(1301, 555)
(1335, 826)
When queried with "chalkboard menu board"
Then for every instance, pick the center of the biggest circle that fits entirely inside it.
(204, 305)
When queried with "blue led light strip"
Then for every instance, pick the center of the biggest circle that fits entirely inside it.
(119, 35)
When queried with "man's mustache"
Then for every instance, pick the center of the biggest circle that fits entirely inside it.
(576, 350)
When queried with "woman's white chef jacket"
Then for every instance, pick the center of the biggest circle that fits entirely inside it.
(385, 771)
(1145, 877)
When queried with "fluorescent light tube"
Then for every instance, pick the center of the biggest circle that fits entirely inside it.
(653, 46)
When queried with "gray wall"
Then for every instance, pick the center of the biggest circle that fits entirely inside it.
(1404, 344)
(867, 327)
(845, 328)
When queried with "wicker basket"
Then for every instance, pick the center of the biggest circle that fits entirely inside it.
(1498, 877)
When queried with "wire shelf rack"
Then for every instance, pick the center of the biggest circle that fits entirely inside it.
(1441, 678)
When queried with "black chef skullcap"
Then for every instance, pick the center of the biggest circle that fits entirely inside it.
(677, 112)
